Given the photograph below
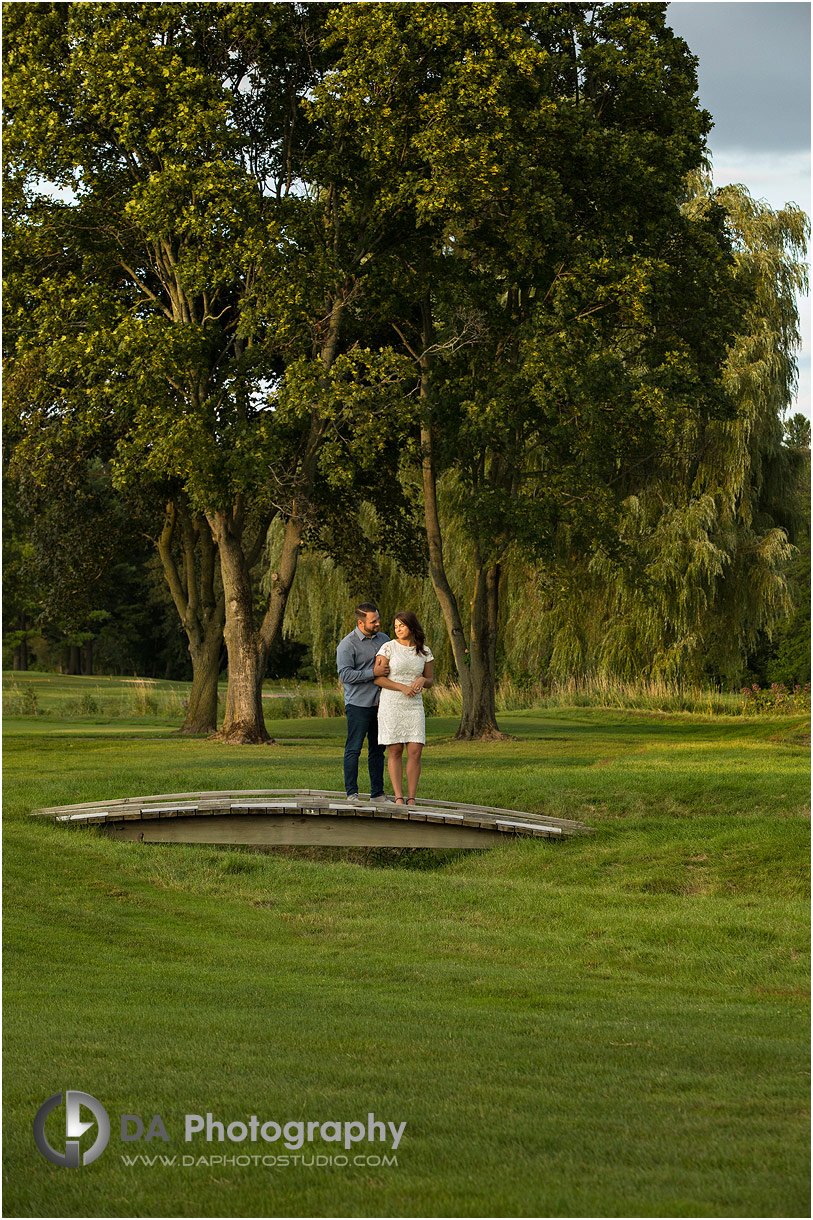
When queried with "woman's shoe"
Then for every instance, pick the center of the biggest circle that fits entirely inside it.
(399, 800)
(410, 800)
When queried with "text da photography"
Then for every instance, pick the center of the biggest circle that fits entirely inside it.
(292, 1135)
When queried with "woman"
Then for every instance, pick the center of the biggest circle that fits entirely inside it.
(401, 718)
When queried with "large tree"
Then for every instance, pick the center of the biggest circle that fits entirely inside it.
(274, 206)
(567, 319)
(204, 292)
(171, 133)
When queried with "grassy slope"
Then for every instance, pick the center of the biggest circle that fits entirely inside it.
(608, 1026)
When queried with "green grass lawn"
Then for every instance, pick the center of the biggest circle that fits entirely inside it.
(608, 1026)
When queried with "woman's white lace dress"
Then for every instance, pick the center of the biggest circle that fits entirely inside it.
(401, 717)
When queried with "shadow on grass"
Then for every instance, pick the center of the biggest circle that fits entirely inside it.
(421, 859)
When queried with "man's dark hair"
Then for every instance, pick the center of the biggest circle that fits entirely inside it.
(364, 609)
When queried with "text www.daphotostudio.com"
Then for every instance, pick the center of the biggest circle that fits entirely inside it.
(80, 1149)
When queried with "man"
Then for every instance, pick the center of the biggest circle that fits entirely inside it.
(355, 659)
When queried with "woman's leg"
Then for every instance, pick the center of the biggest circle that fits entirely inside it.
(395, 768)
(413, 769)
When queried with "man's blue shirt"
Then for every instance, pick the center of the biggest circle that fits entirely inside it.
(355, 658)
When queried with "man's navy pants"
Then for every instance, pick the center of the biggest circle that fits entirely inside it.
(363, 722)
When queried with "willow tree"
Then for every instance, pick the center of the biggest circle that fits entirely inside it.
(706, 537)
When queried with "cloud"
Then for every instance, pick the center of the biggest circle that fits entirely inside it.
(754, 78)
(754, 71)
(778, 178)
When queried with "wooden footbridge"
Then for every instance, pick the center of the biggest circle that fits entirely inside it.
(304, 817)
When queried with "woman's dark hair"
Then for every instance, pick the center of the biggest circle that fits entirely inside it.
(410, 620)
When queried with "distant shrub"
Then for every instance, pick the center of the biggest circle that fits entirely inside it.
(143, 699)
(443, 699)
(646, 694)
(322, 703)
(777, 698)
(21, 701)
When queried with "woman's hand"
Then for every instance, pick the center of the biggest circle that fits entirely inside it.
(416, 687)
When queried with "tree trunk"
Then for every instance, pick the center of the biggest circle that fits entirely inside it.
(201, 712)
(479, 719)
(21, 650)
(248, 648)
(74, 660)
(475, 665)
(243, 723)
(493, 604)
(200, 608)
(434, 536)
(87, 659)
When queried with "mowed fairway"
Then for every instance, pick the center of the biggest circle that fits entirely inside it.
(607, 1026)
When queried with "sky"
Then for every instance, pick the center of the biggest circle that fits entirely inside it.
(754, 78)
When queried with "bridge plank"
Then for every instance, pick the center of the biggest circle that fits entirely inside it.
(316, 814)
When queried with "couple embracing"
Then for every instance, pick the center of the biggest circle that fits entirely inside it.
(383, 680)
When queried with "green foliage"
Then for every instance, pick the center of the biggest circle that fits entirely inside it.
(330, 585)
(797, 432)
(777, 699)
(569, 319)
(174, 127)
(698, 570)
(169, 313)
(271, 220)
(607, 333)
(21, 701)
(19, 587)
